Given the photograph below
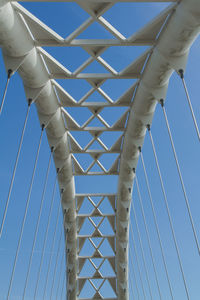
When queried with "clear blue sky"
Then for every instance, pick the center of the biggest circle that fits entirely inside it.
(128, 18)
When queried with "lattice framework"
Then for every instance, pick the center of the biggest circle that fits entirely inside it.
(52, 102)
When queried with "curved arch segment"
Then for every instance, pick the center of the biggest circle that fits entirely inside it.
(169, 55)
(21, 55)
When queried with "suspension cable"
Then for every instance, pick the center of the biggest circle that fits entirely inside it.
(167, 209)
(38, 223)
(62, 260)
(137, 261)
(46, 235)
(15, 168)
(180, 177)
(25, 214)
(157, 229)
(189, 103)
(9, 74)
(148, 236)
(60, 273)
(51, 251)
(131, 285)
(142, 250)
(63, 284)
(134, 275)
(56, 264)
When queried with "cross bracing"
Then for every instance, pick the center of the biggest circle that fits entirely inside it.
(168, 37)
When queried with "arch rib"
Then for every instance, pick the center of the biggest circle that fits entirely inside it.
(21, 55)
(169, 55)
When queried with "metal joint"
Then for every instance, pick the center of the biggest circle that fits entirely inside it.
(10, 72)
(52, 149)
(162, 102)
(181, 73)
(148, 127)
(42, 126)
(29, 101)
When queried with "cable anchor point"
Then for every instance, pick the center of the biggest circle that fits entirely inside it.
(148, 127)
(181, 73)
(43, 127)
(52, 149)
(162, 102)
(10, 73)
(30, 101)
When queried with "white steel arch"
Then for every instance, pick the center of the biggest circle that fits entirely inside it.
(170, 36)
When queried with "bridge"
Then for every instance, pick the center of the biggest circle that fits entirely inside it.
(99, 150)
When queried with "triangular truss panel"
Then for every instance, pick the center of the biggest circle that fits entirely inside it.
(102, 253)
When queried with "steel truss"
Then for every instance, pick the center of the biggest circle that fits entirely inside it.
(169, 37)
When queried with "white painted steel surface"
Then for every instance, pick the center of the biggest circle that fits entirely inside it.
(179, 25)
